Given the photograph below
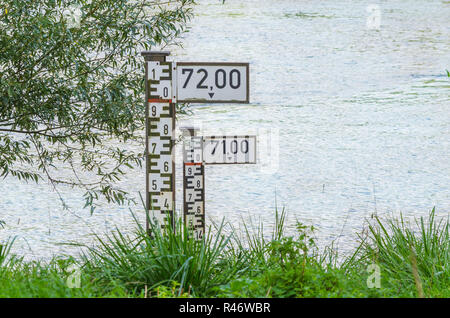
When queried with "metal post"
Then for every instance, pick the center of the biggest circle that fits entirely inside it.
(159, 145)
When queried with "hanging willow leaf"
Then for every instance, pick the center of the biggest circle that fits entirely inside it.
(71, 88)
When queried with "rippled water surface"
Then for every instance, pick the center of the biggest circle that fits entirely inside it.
(358, 115)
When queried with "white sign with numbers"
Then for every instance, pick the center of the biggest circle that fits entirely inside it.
(212, 82)
(229, 149)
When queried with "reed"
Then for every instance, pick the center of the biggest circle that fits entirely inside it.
(412, 255)
(414, 261)
(141, 262)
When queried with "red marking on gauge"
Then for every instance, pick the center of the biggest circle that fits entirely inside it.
(156, 100)
(193, 163)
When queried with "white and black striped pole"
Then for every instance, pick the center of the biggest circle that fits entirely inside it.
(193, 183)
(160, 102)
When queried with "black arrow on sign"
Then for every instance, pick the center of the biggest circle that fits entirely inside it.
(211, 95)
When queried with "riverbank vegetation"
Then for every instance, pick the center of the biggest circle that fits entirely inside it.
(393, 259)
(71, 87)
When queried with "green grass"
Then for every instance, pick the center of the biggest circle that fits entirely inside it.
(413, 260)
(404, 251)
(35, 279)
(140, 263)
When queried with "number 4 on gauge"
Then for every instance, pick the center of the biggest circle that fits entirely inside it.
(212, 82)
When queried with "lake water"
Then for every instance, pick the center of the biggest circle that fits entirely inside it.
(352, 97)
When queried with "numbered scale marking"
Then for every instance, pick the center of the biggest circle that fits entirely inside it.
(160, 143)
(194, 187)
(159, 81)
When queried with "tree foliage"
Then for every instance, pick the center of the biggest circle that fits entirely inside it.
(71, 88)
